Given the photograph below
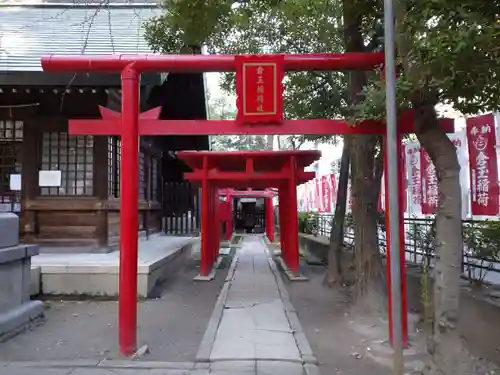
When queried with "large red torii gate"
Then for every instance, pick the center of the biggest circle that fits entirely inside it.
(130, 125)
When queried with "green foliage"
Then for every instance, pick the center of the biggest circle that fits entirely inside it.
(265, 26)
(308, 222)
(448, 52)
(482, 241)
(239, 143)
(220, 109)
(423, 239)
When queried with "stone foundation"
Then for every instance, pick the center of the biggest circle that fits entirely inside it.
(16, 308)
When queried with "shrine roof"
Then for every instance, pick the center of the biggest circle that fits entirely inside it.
(235, 161)
(32, 29)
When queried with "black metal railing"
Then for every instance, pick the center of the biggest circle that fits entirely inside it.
(481, 242)
(181, 209)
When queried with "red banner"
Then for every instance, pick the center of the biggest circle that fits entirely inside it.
(259, 88)
(333, 191)
(306, 197)
(310, 192)
(318, 197)
(404, 177)
(481, 140)
(325, 183)
(415, 164)
(430, 192)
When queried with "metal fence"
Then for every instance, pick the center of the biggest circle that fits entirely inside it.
(481, 251)
(181, 209)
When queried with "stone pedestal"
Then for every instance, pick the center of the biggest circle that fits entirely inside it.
(16, 308)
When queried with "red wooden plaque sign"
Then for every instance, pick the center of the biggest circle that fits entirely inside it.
(259, 88)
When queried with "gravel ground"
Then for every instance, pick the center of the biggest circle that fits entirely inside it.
(172, 325)
(352, 344)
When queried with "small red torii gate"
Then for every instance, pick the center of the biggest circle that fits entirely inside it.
(227, 215)
(259, 113)
(257, 169)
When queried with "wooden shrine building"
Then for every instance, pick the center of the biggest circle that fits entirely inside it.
(82, 210)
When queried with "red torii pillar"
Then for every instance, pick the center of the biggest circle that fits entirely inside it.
(288, 217)
(226, 214)
(269, 218)
(210, 223)
(129, 126)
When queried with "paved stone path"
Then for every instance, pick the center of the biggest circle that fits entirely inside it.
(254, 330)
(254, 324)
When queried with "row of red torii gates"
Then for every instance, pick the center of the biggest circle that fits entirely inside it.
(260, 111)
(226, 208)
(283, 170)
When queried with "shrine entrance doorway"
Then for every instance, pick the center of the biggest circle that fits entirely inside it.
(259, 86)
(238, 204)
(248, 215)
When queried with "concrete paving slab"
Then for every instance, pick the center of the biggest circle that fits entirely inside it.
(56, 364)
(279, 368)
(127, 364)
(13, 370)
(200, 372)
(104, 371)
(254, 324)
(271, 317)
(236, 367)
(234, 351)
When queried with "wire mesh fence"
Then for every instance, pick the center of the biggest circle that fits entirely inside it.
(481, 242)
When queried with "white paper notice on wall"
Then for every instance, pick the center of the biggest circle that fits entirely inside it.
(49, 178)
(15, 182)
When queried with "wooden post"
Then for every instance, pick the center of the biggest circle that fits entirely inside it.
(101, 178)
(29, 178)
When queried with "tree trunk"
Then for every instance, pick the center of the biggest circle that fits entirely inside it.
(445, 344)
(368, 263)
(377, 173)
(334, 272)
